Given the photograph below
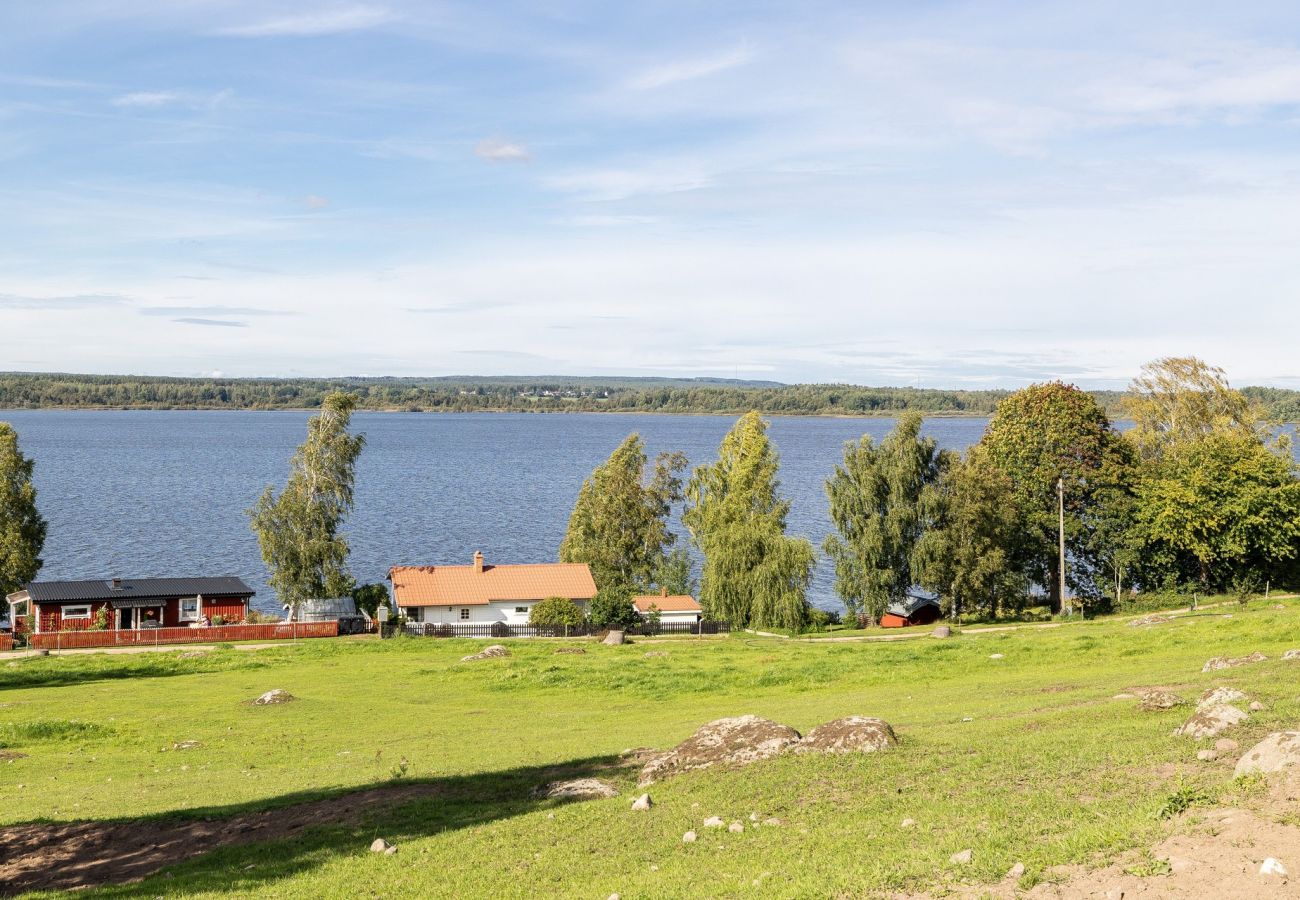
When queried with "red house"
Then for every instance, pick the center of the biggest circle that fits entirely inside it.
(912, 611)
(122, 603)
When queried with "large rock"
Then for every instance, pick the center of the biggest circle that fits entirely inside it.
(851, 734)
(487, 653)
(270, 698)
(577, 789)
(1291, 654)
(942, 631)
(1208, 721)
(1278, 751)
(1153, 619)
(1155, 699)
(1225, 662)
(1218, 696)
(727, 742)
(614, 638)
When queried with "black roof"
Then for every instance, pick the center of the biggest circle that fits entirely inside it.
(135, 588)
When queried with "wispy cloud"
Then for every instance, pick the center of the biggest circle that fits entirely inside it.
(217, 323)
(213, 311)
(146, 99)
(70, 301)
(325, 21)
(690, 69)
(498, 150)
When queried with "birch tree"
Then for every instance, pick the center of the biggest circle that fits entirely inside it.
(22, 530)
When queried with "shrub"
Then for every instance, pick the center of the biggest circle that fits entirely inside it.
(612, 608)
(218, 619)
(259, 618)
(556, 611)
(369, 597)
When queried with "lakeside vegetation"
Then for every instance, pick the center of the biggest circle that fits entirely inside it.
(1028, 758)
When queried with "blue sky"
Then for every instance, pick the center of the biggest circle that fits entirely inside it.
(941, 194)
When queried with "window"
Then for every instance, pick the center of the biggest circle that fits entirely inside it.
(464, 614)
(521, 609)
(76, 612)
(189, 609)
(414, 613)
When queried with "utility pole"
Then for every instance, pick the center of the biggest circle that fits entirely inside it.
(1060, 511)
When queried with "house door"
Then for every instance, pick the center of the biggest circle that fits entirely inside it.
(124, 618)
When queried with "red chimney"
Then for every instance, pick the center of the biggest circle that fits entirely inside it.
(663, 592)
(478, 562)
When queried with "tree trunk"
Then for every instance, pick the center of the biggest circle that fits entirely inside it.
(1054, 589)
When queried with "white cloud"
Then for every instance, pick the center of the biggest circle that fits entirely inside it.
(147, 98)
(324, 21)
(690, 69)
(498, 150)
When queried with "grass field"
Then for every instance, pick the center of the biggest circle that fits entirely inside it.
(1025, 758)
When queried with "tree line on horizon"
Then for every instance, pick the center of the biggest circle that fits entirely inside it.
(521, 394)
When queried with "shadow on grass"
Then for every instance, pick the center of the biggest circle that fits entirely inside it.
(87, 668)
(239, 848)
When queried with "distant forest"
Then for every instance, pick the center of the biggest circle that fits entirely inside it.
(528, 394)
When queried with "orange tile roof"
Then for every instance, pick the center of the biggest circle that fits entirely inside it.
(675, 603)
(466, 586)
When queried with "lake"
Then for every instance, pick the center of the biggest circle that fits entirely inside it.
(164, 493)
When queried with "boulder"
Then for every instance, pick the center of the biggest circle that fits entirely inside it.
(851, 734)
(643, 802)
(577, 789)
(614, 638)
(1224, 662)
(1208, 721)
(1219, 695)
(1291, 654)
(270, 698)
(487, 653)
(379, 845)
(1279, 750)
(942, 631)
(1157, 699)
(729, 742)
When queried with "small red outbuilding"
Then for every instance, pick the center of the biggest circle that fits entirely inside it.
(912, 611)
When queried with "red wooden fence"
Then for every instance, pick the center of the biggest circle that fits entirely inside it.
(6, 642)
(74, 640)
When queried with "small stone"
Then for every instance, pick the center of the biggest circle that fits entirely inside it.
(642, 802)
(753, 817)
(1226, 745)
(1016, 871)
(772, 822)
(1256, 706)
(391, 851)
(962, 858)
(1272, 867)
(968, 719)
(186, 745)
(379, 845)
(1124, 696)
(1206, 755)
(1291, 654)
(688, 837)
(492, 652)
(907, 823)
(271, 698)
(996, 656)
(736, 828)
(615, 896)
(714, 822)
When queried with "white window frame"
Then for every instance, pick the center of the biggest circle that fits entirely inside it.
(198, 609)
(464, 613)
(66, 612)
(521, 609)
(414, 613)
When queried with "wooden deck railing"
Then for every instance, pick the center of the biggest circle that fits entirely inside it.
(279, 631)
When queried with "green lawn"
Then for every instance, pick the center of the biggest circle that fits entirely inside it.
(1048, 770)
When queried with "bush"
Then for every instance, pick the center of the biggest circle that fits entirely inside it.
(259, 618)
(821, 619)
(612, 608)
(218, 620)
(369, 597)
(556, 611)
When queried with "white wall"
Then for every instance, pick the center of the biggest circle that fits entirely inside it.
(483, 614)
(666, 618)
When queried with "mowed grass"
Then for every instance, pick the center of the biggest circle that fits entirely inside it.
(1025, 758)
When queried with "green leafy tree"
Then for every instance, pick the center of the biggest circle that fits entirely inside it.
(967, 552)
(875, 499)
(1038, 435)
(674, 574)
(369, 597)
(619, 524)
(299, 529)
(753, 573)
(1225, 505)
(22, 529)
(1177, 399)
(556, 611)
(612, 607)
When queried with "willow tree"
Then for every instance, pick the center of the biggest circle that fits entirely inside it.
(619, 524)
(753, 573)
(22, 530)
(299, 529)
(1179, 399)
(875, 501)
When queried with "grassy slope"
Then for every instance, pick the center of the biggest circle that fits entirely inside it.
(1050, 769)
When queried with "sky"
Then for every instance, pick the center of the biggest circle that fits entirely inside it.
(910, 193)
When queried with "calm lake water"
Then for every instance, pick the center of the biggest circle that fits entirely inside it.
(141, 493)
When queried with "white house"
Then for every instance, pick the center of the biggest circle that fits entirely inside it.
(480, 594)
(672, 609)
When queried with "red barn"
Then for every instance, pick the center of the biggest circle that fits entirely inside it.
(122, 603)
(912, 611)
